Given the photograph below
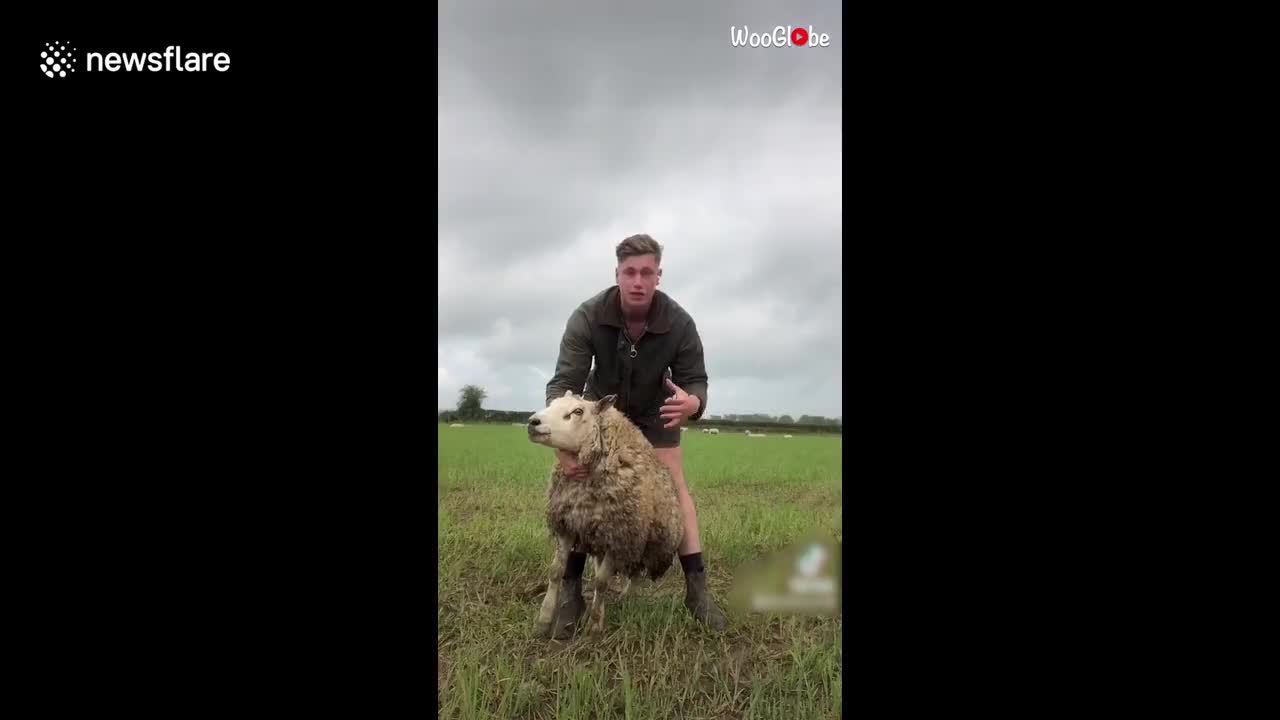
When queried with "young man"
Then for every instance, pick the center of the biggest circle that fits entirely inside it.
(647, 352)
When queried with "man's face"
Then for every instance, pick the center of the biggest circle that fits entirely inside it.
(637, 278)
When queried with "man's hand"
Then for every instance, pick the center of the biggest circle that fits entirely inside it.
(679, 407)
(570, 467)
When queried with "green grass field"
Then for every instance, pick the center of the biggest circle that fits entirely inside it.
(753, 497)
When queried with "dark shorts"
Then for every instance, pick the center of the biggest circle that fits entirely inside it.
(661, 437)
(651, 428)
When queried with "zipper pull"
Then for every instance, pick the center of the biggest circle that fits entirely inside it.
(633, 350)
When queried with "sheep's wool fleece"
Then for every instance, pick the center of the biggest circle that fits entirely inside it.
(627, 507)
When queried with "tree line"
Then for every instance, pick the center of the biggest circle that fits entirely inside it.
(471, 399)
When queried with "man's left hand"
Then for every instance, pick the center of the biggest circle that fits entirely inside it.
(679, 407)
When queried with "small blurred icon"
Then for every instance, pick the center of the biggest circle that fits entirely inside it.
(807, 579)
(803, 579)
(811, 561)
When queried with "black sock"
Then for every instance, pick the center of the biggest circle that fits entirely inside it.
(692, 563)
(573, 568)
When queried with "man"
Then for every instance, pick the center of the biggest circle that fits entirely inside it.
(647, 352)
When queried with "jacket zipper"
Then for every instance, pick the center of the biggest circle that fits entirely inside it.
(626, 386)
(636, 341)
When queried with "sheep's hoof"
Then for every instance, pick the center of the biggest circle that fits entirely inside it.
(564, 631)
(571, 607)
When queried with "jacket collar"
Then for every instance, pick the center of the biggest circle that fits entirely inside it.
(659, 320)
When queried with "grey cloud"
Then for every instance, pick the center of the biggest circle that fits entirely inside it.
(563, 129)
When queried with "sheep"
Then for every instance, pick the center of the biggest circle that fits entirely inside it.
(705, 431)
(457, 425)
(786, 436)
(626, 514)
(756, 435)
(715, 431)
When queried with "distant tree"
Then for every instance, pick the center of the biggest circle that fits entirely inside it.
(469, 399)
(786, 419)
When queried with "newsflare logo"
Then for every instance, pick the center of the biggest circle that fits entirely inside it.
(59, 58)
(56, 60)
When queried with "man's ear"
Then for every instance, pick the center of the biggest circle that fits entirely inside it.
(605, 403)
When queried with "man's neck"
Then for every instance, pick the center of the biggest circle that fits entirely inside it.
(634, 315)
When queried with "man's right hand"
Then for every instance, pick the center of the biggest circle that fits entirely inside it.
(569, 465)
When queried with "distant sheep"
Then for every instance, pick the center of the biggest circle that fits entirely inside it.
(626, 513)
(786, 436)
(457, 425)
(756, 435)
(714, 431)
(705, 431)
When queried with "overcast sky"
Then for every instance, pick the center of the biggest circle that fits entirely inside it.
(565, 127)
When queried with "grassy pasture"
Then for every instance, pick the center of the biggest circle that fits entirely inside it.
(754, 497)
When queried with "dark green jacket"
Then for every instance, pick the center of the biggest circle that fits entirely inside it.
(669, 341)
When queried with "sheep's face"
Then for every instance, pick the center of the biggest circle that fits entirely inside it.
(567, 422)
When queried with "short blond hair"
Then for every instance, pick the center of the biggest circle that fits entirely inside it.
(639, 245)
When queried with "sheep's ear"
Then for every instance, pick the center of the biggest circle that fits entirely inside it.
(567, 393)
(605, 403)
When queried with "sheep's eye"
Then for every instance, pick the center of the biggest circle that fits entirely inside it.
(577, 411)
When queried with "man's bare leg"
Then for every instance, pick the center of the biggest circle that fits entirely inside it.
(697, 599)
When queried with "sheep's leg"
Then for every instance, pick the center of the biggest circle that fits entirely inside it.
(549, 601)
(603, 572)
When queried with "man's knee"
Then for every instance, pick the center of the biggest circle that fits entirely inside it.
(671, 457)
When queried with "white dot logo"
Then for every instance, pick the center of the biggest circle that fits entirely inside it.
(57, 59)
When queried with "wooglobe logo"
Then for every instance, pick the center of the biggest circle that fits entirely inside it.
(59, 58)
(782, 36)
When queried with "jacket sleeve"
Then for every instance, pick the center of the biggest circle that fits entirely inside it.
(688, 371)
(575, 357)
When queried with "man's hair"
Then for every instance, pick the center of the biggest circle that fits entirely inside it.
(639, 245)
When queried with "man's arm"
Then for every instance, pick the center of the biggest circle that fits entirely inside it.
(688, 370)
(575, 357)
